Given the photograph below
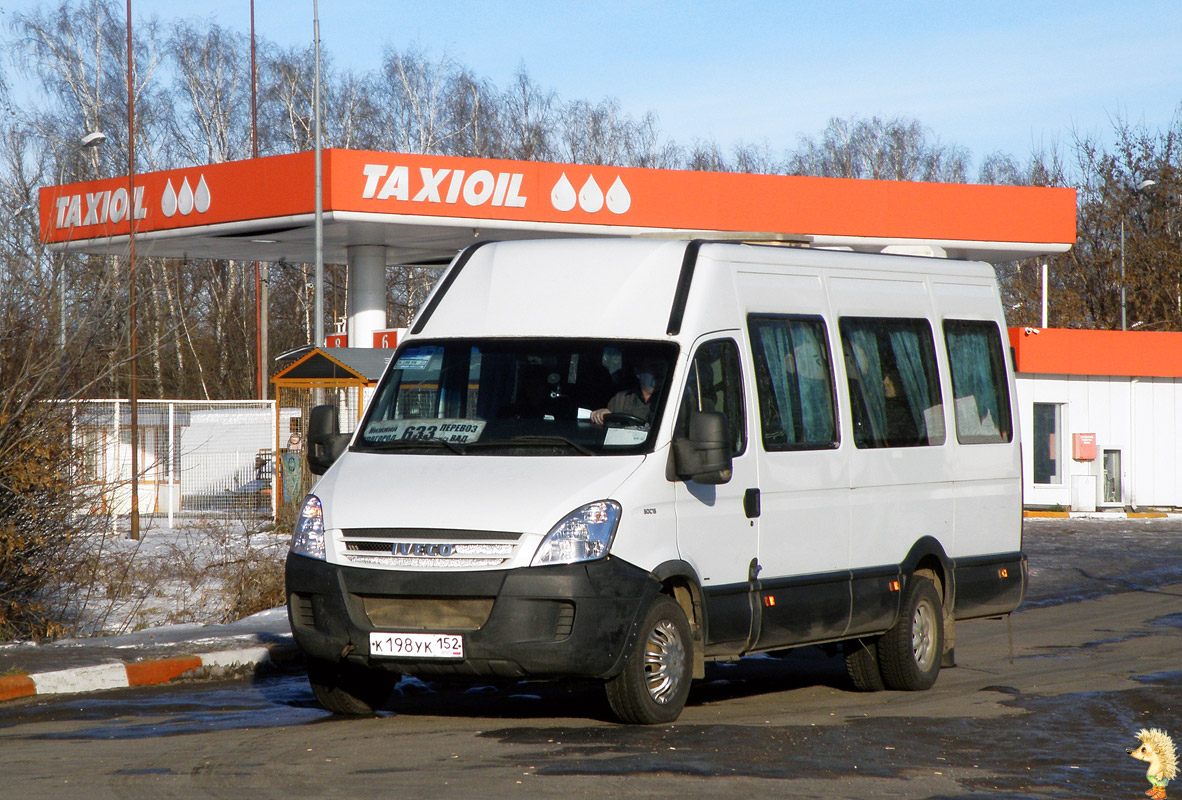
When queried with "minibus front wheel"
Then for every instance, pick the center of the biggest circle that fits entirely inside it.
(349, 689)
(658, 667)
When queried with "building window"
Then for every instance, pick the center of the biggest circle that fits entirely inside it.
(1046, 443)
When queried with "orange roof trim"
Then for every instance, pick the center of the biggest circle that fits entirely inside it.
(1062, 351)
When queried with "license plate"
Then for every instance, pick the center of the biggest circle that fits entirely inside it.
(416, 645)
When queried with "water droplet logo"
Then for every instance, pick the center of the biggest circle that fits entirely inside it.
(618, 199)
(591, 196)
(201, 196)
(563, 196)
(168, 202)
(186, 200)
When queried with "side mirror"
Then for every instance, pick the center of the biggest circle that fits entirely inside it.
(705, 455)
(325, 440)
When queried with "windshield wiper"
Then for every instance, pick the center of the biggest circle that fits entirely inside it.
(532, 441)
(400, 444)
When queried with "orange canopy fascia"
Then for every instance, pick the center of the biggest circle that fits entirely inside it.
(432, 205)
(1063, 351)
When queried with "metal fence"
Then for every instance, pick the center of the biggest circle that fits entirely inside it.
(194, 457)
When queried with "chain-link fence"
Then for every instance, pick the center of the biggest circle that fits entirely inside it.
(195, 458)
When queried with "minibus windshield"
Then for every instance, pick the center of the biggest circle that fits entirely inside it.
(577, 397)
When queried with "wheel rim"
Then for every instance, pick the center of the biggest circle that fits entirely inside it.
(923, 637)
(664, 661)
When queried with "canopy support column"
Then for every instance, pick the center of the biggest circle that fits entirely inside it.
(367, 293)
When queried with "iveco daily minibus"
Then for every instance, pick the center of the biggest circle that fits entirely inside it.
(620, 459)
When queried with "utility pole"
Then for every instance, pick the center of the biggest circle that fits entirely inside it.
(133, 343)
(318, 324)
(260, 278)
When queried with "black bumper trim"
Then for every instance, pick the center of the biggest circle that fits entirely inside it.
(988, 586)
(528, 634)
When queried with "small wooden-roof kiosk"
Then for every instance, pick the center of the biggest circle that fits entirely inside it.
(332, 368)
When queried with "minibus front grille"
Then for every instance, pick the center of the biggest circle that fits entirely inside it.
(431, 534)
(428, 549)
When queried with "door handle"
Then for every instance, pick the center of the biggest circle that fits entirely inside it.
(751, 503)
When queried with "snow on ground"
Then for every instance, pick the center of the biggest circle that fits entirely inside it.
(200, 572)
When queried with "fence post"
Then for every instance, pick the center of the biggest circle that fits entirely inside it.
(275, 461)
(118, 482)
(171, 459)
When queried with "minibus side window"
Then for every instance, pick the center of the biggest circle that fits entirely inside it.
(794, 382)
(894, 385)
(715, 383)
(980, 390)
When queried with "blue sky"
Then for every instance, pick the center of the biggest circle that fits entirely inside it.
(1008, 76)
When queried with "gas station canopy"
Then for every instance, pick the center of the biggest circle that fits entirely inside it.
(382, 209)
(425, 208)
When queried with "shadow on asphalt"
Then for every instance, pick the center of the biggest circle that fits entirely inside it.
(281, 699)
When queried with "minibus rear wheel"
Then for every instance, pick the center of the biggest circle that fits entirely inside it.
(909, 653)
(347, 689)
(658, 668)
(861, 664)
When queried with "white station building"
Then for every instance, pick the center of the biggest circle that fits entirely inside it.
(1100, 418)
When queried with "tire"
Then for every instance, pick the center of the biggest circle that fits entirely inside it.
(654, 684)
(861, 664)
(909, 654)
(349, 690)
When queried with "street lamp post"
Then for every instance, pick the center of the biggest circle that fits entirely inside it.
(88, 142)
(1145, 184)
(133, 343)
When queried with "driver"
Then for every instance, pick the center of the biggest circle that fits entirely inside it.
(637, 401)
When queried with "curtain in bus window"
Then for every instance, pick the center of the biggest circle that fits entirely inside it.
(777, 351)
(978, 382)
(926, 410)
(815, 380)
(867, 394)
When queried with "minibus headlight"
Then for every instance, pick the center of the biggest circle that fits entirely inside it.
(308, 538)
(584, 534)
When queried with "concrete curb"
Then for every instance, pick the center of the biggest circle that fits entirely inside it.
(148, 672)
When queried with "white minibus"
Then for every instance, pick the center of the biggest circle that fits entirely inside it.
(619, 459)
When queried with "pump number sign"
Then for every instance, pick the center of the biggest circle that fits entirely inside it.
(416, 645)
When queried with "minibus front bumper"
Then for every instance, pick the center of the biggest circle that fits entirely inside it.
(572, 620)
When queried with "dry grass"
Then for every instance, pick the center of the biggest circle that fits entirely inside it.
(205, 573)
